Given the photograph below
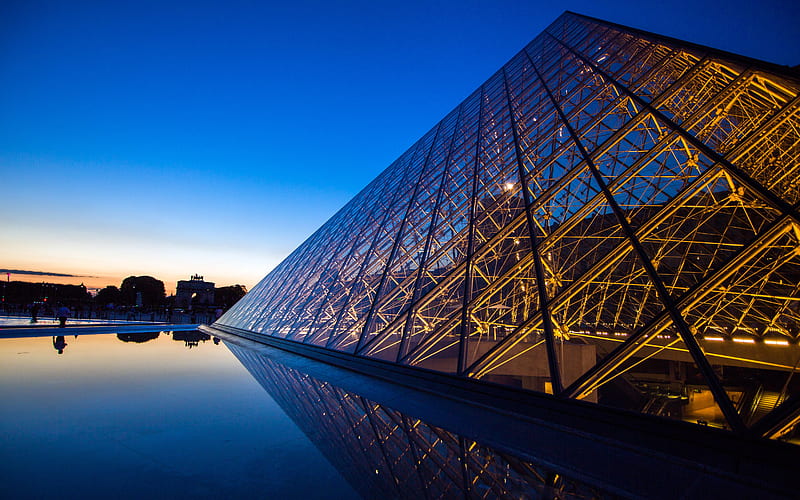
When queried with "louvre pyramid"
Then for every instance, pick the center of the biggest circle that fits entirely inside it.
(612, 216)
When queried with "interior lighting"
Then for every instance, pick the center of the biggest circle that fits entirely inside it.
(713, 339)
(776, 342)
(744, 340)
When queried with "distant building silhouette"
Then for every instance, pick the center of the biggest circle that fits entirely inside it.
(194, 291)
(191, 339)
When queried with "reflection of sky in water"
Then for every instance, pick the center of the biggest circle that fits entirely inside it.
(147, 419)
(180, 416)
(386, 453)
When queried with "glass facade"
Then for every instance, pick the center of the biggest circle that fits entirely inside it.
(612, 216)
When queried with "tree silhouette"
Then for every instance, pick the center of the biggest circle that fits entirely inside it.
(108, 295)
(151, 290)
(137, 337)
(226, 296)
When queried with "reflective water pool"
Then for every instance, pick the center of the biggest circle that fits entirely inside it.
(185, 415)
(153, 415)
(182, 414)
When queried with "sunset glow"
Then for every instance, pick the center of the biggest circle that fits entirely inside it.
(215, 140)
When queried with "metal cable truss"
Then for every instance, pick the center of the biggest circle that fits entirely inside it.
(611, 217)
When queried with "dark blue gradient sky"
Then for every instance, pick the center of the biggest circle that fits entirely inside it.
(213, 137)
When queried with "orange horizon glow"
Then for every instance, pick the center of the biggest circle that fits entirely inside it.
(108, 257)
(95, 283)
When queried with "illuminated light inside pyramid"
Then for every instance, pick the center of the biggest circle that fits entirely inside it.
(612, 217)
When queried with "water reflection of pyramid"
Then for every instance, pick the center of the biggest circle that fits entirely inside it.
(384, 453)
(612, 216)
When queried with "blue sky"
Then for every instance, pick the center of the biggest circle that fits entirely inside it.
(169, 138)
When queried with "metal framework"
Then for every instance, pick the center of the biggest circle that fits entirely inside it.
(612, 216)
(384, 453)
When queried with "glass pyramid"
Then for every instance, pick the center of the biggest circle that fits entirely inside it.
(612, 216)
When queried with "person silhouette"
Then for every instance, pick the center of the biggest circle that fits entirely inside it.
(63, 314)
(34, 312)
(59, 344)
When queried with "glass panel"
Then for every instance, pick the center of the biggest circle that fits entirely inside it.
(749, 323)
(656, 374)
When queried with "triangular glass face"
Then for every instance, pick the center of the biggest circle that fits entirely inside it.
(397, 287)
(702, 228)
(601, 200)
(619, 296)
(437, 310)
(507, 297)
(439, 351)
(654, 372)
(299, 321)
(749, 321)
(770, 154)
(739, 111)
(387, 345)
